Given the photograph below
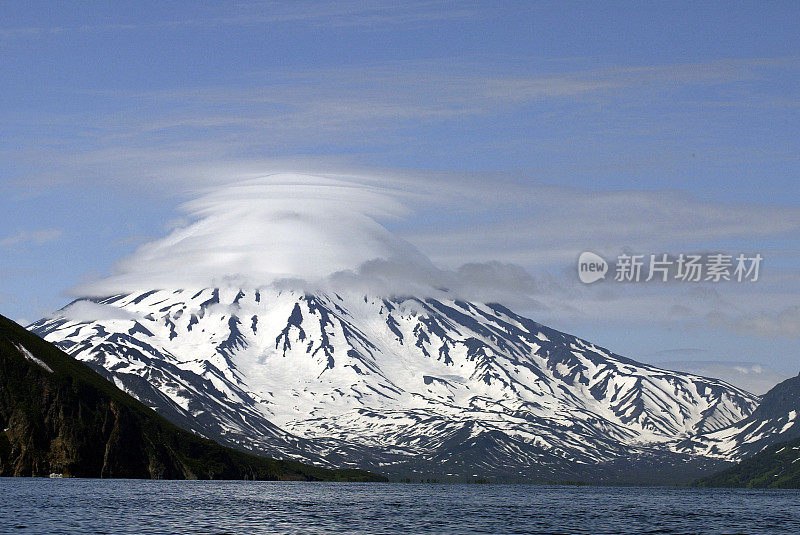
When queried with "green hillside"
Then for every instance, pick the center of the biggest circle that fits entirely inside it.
(777, 467)
(59, 416)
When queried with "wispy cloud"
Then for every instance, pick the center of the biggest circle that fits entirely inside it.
(405, 91)
(341, 14)
(550, 225)
(357, 112)
(751, 376)
(781, 323)
(90, 311)
(31, 236)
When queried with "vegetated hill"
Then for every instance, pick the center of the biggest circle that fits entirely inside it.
(59, 416)
(776, 467)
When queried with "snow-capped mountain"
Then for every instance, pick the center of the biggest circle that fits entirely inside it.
(399, 384)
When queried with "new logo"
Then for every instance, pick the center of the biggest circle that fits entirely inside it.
(591, 267)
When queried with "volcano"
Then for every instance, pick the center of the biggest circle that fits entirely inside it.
(409, 386)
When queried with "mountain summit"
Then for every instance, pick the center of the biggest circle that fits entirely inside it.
(409, 385)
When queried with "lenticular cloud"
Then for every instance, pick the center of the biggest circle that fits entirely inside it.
(264, 230)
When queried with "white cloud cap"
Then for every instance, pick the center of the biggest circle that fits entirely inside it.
(259, 231)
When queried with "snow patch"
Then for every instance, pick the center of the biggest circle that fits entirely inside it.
(28, 355)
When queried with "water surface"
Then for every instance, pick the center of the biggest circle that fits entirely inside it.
(83, 506)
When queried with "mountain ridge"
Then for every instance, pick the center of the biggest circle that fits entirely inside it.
(775, 419)
(768, 441)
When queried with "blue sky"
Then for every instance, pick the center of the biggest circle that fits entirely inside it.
(508, 115)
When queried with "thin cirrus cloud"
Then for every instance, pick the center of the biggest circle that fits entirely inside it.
(342, 14)
(370, 108)
(37, 237)
(551, 225)
(373, 96)
(751, 376)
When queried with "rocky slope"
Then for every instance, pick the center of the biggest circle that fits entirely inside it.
(774, 420)
(59, 416)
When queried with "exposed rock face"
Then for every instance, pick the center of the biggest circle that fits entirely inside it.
(59, 416)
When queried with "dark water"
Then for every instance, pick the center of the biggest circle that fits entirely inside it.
(83, 506)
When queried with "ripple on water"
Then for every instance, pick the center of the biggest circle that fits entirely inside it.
(79, 506)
